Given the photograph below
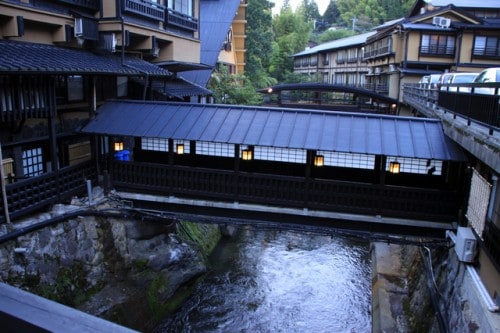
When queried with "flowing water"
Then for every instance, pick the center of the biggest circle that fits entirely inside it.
(281, 281)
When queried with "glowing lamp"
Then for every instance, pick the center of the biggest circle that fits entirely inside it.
(247, 154)
(118, 145)
(319, 160)
(394, 167)
(180, 149)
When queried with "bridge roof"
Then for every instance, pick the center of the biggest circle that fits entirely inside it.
(277, 127)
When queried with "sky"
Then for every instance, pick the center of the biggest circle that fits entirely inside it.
(322, 4)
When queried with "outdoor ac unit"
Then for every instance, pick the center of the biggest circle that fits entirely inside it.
(155, 52)
(78, 27)
(442, 22)
(377, 70)
(465, 246)
(392, 68)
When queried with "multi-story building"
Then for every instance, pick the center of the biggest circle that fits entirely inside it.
(335, 62)
(436, 38)
(61, 60)
(461, 36)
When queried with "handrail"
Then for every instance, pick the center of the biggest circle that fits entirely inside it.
(31, 194)
(288, 191)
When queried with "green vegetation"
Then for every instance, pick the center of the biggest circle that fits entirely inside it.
(271, 41)
(206, 235)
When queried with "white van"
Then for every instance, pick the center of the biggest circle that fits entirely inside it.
(489, 75)
(457, 78)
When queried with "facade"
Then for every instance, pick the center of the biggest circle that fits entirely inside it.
(336, 62)
(458, 37)
(61, 60)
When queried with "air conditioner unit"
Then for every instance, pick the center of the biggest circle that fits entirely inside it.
(78, 27)
(377, 70)
(392, 68)
(465, 246)
(436, 20)
(445, 22)
(441, 22)
(370, 70)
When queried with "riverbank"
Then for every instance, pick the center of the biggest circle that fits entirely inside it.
(107, 260)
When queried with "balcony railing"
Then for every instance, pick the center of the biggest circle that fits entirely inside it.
(32, 194)
(288, 191)
(90, 4)
(437, 50)
(181, 20)
(145, 8)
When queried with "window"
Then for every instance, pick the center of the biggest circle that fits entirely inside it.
(75, 88)
(214, 149)
(437, 45)
(326, 59)
(32, 162)
(348, 160)
(487, 46)
(182, 6)
(352, 55)
(121, 86)
(155, 144)
(341, 57)
(280, 154)
(419, 166)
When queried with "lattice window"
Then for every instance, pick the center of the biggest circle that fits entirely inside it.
(32, 162)
(280, 154)
(155, 144)
(419, 166)
(185, 146)
(214, 149)
(348, 160)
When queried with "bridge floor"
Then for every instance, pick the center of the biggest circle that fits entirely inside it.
(271, 216)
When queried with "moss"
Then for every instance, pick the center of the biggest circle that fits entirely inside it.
(141, 264)
(205, 235)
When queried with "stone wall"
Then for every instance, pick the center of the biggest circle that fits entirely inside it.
(122, 269)
(418, 289)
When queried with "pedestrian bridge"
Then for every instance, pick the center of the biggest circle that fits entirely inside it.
(320, 165)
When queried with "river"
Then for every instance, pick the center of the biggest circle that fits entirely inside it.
(281, 281)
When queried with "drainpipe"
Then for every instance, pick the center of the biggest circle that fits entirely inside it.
(120, 16)
(4, 192)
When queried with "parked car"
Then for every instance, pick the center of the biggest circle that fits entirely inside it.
(456, 78)
(489, 75)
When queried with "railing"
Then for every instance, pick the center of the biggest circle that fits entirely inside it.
(145, 8)
(90, 4)
(181, 20)
(29, 195)
(25, 98)
(475, 102)
(288, 191)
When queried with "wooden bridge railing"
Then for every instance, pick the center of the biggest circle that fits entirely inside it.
(32, 194)
(286, 191)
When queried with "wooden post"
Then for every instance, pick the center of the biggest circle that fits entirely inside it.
(4, 192)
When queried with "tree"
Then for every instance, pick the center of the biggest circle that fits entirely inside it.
(291, 35)
(309, 10)
(331, 14)
(259, 36)
(330, 35)
(233, 89)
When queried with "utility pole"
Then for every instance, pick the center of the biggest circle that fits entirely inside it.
(354, 23)
(4, 192)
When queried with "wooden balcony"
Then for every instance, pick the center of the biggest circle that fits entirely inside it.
(30, 195)
(145, 8)
(181, 20)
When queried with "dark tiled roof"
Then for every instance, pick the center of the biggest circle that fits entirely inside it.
(274, 127)
(26, 58)
(179, 88)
